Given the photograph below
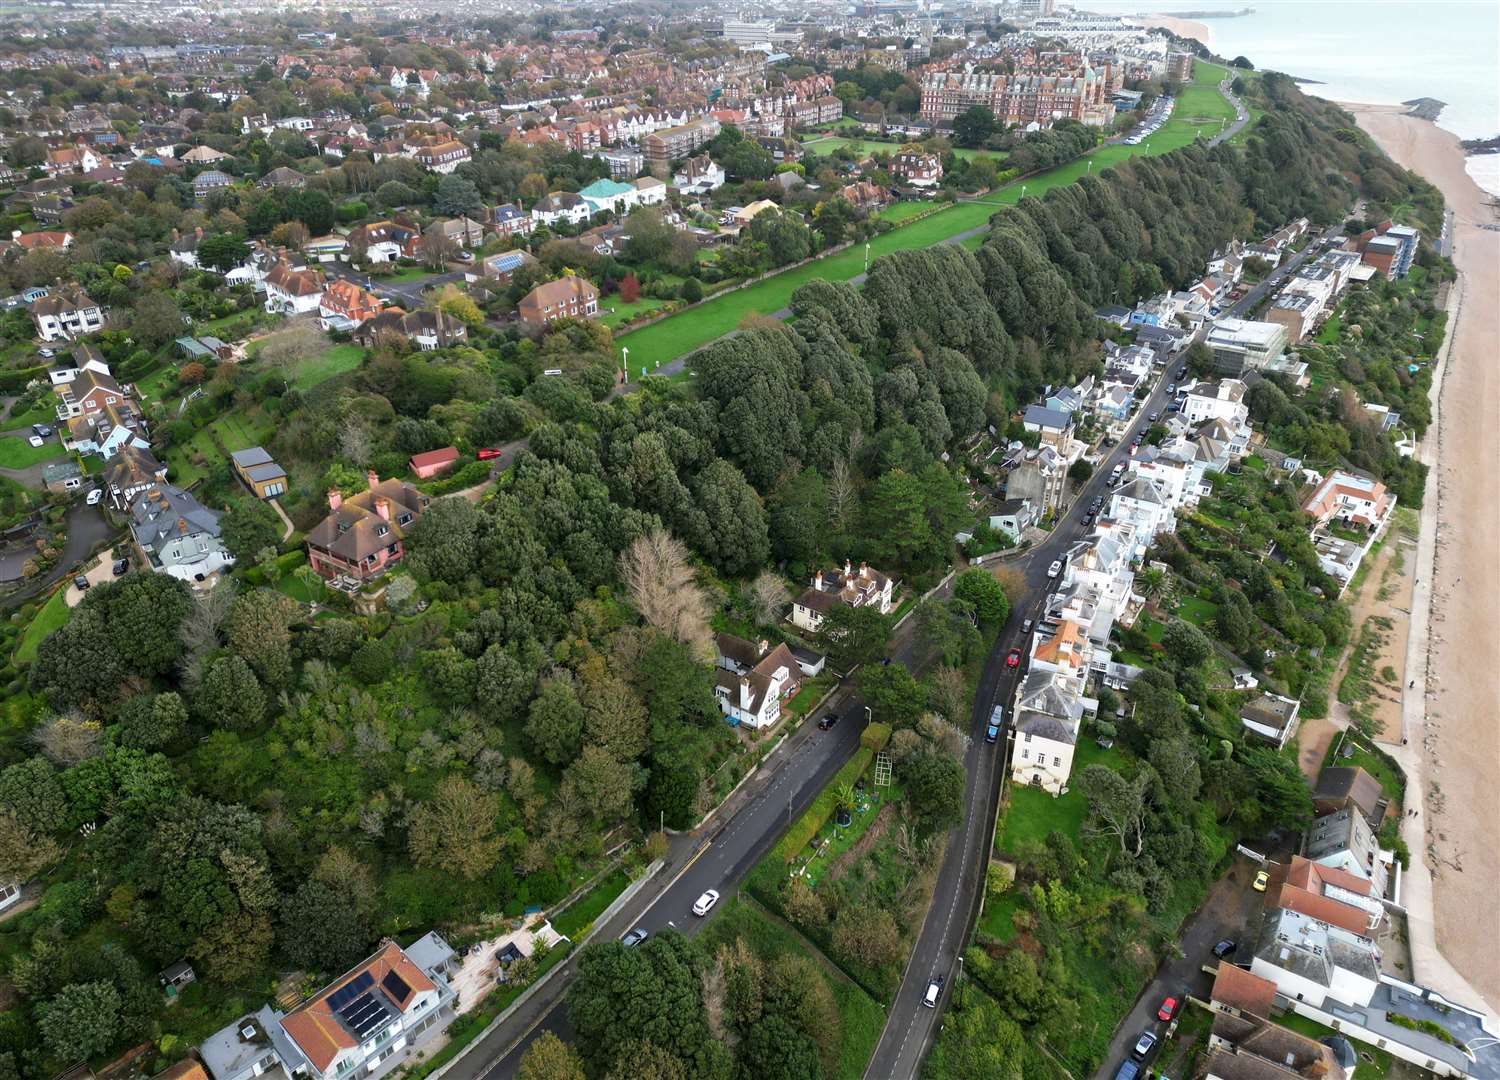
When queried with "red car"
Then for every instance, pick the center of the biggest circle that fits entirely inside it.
(1013, 659)
(487, 453)
(1168, 1010)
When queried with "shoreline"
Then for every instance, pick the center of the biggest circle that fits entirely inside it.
(1185, 28)
(1450, 745)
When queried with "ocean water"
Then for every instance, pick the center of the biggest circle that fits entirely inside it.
(1372, 51)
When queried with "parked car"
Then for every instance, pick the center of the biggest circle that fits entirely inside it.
(1026, 625)
(634, 937)
(81, 583)
(1262, 879)
(1128, 1070)
(1055, 568)
(1168, 1010)
(705, 903)
(1013, 658)
(487, 453)
(94, 496)
(1225, 948)
(991, 733)
(828, 721)
(41, 429)
(1144, 1045)
(1154, 417)
(934, 991)
(36, 440)
(121, 567)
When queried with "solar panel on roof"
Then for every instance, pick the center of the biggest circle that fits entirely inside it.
(350, 990)
(395, 986)
(364, 1014)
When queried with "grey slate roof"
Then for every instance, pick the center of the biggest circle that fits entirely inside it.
(1048, 418)
(1041, 726)
(166, 511)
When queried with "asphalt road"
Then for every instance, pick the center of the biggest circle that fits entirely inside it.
(400, 292)
(910, 1026)
(1247, 304)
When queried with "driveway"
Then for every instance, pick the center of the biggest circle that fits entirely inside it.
(98, 574)
(88, 529)
(1228, 912)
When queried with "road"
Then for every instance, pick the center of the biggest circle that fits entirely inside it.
(910, 1027)
(1246, 305)
(1241, 114)
(408, 292)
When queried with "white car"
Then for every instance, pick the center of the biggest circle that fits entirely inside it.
(36, 440)
(1055, 568)
(705, 903)
(94, 497)
(934, 991)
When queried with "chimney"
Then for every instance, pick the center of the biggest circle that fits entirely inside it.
(335, 499)
(744, 693)
(818, 581)
(372, 479)
(848, 568)
(762, 647)
(198, 232)
(15, 234)
(176, 236)
(383, 507)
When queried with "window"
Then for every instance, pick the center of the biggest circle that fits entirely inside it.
(1025, 753)
(1057, 763)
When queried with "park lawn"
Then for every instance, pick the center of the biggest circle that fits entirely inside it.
(617, 311)
(674, 336)
(575, 920)
(900, 212)
(334, 360)
(1198, 612)
(1032, 813)
(17, 453)
(50, 617)
(827, 144)
(862, 1017)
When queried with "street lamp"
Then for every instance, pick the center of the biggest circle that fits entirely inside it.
(625, 363)
(867, 256)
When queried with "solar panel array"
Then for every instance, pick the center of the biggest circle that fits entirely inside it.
(364, 1014)
(350, 990)
(394, 985)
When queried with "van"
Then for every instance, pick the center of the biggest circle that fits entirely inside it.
(553, 371)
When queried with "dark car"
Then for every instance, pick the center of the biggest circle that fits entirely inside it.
(121, 567)
(991, 733)
(81, 582)
(1088, 519)
(1225, 948)
(1182, 372)
(41, 431)
(1013, 658)
(828, 721)
(1128, 1070)
(634, 938)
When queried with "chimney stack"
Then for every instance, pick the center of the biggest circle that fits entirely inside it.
(383, 507)
(335, 499)
(744, 693)
(818, 581)
(372, 479)
(848, 568)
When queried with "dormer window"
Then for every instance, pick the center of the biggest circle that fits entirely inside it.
(381, 530)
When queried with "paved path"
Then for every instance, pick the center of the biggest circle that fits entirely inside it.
(1241, 114)
(286, 521)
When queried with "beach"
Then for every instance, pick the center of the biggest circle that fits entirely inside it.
(1187, 28)
(1451, 718)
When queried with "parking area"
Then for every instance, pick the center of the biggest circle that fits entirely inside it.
(99, 572)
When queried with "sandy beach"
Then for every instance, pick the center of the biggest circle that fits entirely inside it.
(1452, 731)
(1188, 28)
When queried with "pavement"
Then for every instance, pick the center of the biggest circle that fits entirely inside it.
(910, 1026)
(98, 574)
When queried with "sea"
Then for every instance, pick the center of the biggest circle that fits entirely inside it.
(1372, 51)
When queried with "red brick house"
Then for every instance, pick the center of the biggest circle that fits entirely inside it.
(363, 535)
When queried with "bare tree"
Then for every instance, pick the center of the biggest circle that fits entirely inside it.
(436, 248)
(284, 349)
(200, 629)
(354, 442)
(659, 575)
(69, 738)
(840, 493)
(769, 596)
(713, 1004)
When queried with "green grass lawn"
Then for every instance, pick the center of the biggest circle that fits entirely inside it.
(573, 922)
(51, 616)
(334, 360)
(1372, 1062)
(617, 311)
(900, 212)
(862, 1017)
(16, 453)
(43, 412)
(672, 337)
(237, 433)
(1033, 813)
(1198, 612)
(827, 144)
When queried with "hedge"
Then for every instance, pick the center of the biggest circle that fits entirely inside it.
(875, 735)
(806, 827)
(12, 381)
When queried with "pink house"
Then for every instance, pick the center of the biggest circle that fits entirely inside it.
(362, 536)
(433, 462)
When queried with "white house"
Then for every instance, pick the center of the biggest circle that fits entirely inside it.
(1312, 961)
(865, 588)
(563, 206)
(649, 191)
(1272, 717)
(1222, 400)
(293, 292)
(372, 1016)
(698, 176)
(609, 195)
(1042, 754)
(752, 680)
(66, 313)
(1141, 503)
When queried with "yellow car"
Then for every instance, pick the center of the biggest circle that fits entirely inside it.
(1262, 879)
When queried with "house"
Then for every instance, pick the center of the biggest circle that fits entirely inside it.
(1222, 400)
(372, 1016)
(1329, 894)
(1310, 960)
(204, 155)
(565, 298)
(610, 195)
(1142, 503)
(1350, 499)
(427, 330)
(463, 231)
(183, 249)
(503, 267)
(508, 219)
(177, 535)
(383, 241)
(864, 195)
(1051, 425)
(1013, 516)
(258, 472)
(344, 305)
(118, 424)
(88, 389)
(430, 464)
(1248, 1046)
(1272, 717)
(283, 177)
(1345, 841)
(129, 473)
(62, 476)
(1042, 755)
(210, 180)
(917, 167)
(1037, 475)
(649, 191)
(1346, 787)
(293, 292)
(863, 588)
(362, 535)
(66, 313)
(752, 680)
(45, 240)
(698, 175)
(71, 159)
(562, 206)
